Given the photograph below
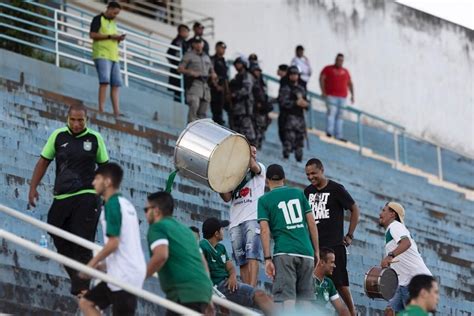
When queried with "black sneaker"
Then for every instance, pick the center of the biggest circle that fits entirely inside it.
(328, 135)
(342, 140)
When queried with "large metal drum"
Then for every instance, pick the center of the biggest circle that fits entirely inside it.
(212, 155)
(381, 283)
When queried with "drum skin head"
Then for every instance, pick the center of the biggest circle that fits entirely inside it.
(389, 283)
(228, 164)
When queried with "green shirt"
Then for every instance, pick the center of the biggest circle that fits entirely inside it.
(76, 159)
(183, 277)
(413, 310)
(285, 210)
(107, 48)
(324, 292)
(216, 258)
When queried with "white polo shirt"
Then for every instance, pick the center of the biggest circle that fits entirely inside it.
(409, 262)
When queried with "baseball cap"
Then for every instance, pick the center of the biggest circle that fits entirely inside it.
(197, 39)
(397, 208)
(293, 70)
(283, 67)
(275, 172)
(222, 44)
(211, 225)
(255, 68)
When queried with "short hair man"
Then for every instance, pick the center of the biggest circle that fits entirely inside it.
(284, 213)
(424, 296)
(302, 62)
(222, 271)
(105, 52)
(122, 252)
(75, 208)
(334, 81)
(197, 68)
(246, 243)
(324, 288)
(175, 255)
(180, 41)
(328, 200)
(400, 245)
(198, 30)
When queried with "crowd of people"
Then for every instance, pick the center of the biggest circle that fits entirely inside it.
(307, 266)
(308, 263)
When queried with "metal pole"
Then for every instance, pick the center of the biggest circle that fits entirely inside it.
(404, 146)
(125, 65)
(56, 36)
(360, 133)
(440, 163)
(97, 274)
(395, 145)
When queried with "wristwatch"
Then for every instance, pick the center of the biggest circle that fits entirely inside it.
(391, 254)
(267, 258)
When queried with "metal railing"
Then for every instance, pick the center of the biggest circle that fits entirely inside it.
(400, 135)
(66, 37)
(96, 248)
(171, 13)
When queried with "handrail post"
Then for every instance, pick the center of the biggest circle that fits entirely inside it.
(440, 163)
(404, 148)
(395, 148)
(125, 65)
(181, 81)
(360, 132)
(56, 37)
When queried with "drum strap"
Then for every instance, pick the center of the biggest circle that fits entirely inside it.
(170, 181)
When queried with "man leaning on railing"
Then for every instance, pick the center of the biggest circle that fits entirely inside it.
(105, 52)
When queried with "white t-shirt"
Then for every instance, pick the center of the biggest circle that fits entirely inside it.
(127, 263)
(244, 201)
(409, 262)
(303, 65)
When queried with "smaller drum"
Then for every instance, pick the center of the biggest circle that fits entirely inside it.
(381, 283)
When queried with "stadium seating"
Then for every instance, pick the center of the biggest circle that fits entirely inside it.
(440, 220)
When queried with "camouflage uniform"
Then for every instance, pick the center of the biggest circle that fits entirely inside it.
(242, 110)
(261, 110)
(295, 125)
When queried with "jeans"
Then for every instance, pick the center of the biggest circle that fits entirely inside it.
(246, 243)
(108, 72)
(398, 301)
(334, 120)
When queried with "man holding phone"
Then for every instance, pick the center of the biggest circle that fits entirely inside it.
(105, 52)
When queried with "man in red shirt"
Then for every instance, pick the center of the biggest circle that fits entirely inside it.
(334, 81)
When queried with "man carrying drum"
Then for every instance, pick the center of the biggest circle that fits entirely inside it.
(400, 245)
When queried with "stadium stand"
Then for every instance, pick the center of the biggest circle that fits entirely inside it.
(33, 105)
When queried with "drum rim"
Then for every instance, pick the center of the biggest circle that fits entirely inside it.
(378, 282)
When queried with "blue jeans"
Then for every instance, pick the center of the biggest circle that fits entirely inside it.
(108, 72)
(242, 296)
(399, 300)
(246, 243)
(334, 120)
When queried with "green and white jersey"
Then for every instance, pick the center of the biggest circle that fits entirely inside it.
(127, 263)
(285, 210)
(413, 310)
(216, 258)
(183, 277)
(409, 262)
(324, 291)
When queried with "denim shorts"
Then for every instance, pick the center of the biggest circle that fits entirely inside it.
(108, 71)
(399, 300)
(242, 296)
(246, 243)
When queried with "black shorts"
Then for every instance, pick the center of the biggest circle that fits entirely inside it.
(123, 303)
(339, 276)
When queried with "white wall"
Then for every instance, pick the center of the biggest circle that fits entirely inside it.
(406, 66)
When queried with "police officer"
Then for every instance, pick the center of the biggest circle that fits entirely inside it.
(77, 150)
(242, 101)
(198, 30)
(292, 99)
(219, 87)
(262, 106)
(180, 41)
(197, 68)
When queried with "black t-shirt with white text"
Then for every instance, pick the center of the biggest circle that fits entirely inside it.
(328, 205)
